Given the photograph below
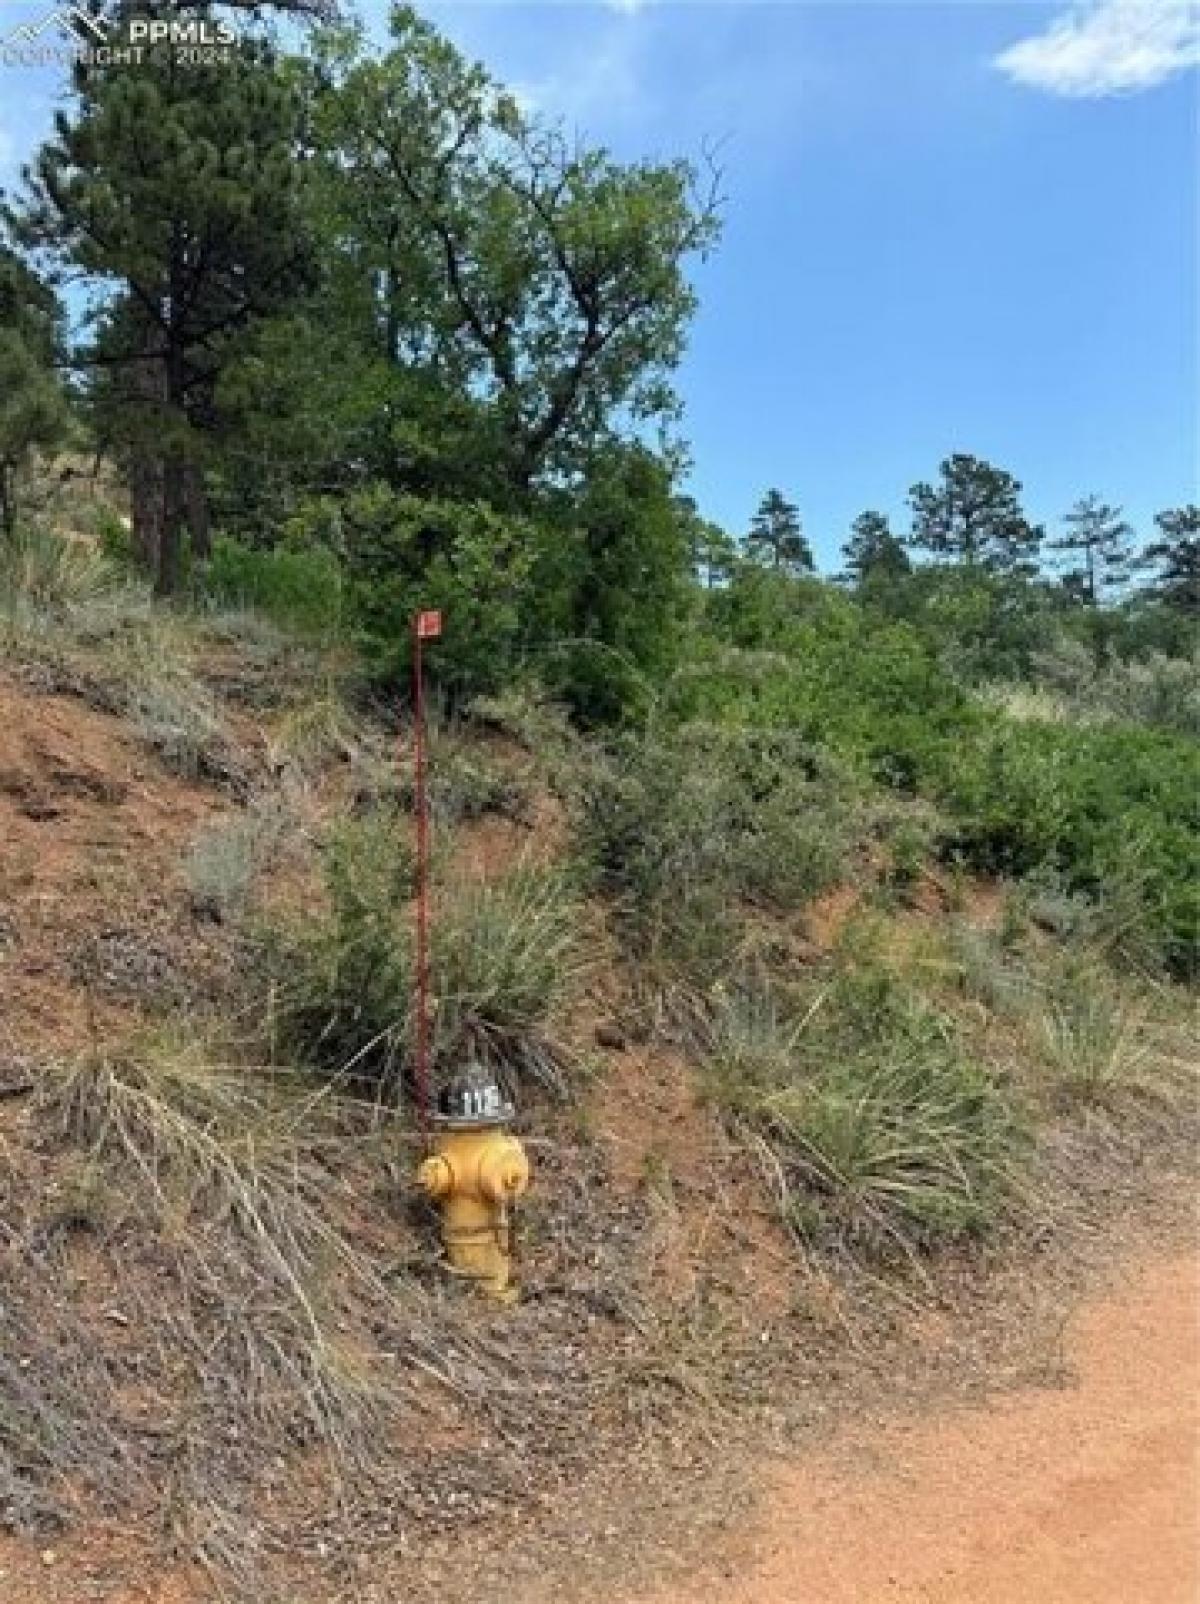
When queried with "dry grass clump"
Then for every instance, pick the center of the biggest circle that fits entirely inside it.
(1079, 1034)
(315, 733)
(877, 1130)
(180, 723)
(1032, 704)
(218, 1256)
(252, 660)
(231, 1162)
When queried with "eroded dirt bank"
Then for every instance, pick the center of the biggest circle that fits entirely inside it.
(1083, 1495)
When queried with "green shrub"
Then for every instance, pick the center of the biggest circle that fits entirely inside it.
(610, 594)
(870, 692)
(301, 588)
(522, 711)
(683, 828)
(463, 779)
(1111, 810)
(405, 554)
(344, 978)
(225, 859)
(1156, 689)
(506, 956)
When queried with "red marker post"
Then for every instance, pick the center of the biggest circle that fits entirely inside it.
(426, 626)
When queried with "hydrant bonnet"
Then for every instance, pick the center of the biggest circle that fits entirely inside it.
(473, 1098)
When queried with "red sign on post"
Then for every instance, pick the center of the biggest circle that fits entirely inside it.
(429, 626)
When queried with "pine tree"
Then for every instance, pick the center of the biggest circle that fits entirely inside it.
(873, 552)
(33, 410)
(973, 516)
(1175, 559)
(776, 538)
(178, 184)
(1100, 538)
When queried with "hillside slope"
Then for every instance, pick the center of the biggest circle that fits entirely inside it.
(230, 1357)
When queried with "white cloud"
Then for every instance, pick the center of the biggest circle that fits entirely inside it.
(602, 81)
(1108, 47)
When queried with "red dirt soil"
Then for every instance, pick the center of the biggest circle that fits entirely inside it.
(92, 833)
(1088, 1495)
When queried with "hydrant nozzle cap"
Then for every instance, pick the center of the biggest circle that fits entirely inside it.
(435, 1176)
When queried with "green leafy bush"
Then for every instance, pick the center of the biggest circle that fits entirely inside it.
(610, 597)
(302, 588)
(816, 664)
(681, 828)
(405, 553)
(1112, 809)
(1109, 806)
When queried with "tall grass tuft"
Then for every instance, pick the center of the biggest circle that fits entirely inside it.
(877, 1131)
(506, 955)
(222, 1235)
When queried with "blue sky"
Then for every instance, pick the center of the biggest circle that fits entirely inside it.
(949, 227)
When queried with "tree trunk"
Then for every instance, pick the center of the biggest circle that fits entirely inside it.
(8, 501)
(146, 467)
(146, 506)
(166, 580)
(175, 463)
(196, 510)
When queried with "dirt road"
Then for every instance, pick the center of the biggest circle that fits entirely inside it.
(1088, 1493)
(1083, 1495)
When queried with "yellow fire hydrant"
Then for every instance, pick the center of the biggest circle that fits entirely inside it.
(477, 1172)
